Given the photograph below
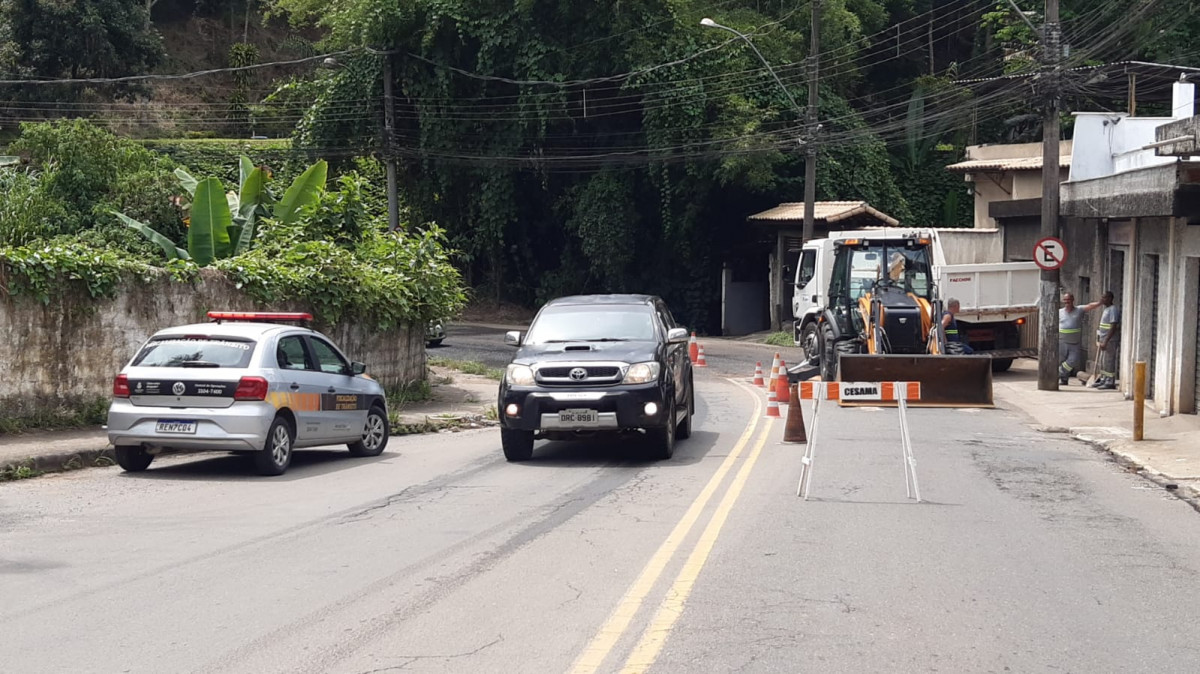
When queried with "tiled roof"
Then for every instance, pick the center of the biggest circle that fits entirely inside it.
(829, 211)
(1005, 164)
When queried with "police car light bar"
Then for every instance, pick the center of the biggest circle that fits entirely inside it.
(259, 316)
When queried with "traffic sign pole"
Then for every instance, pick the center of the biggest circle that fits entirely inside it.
(1049, 253)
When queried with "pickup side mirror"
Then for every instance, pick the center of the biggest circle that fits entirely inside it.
(357, 368)
(677, 336)
(512, 338)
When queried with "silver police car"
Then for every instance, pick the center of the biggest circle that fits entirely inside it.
(248, 382)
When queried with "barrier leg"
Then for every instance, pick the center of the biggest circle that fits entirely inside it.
(910, 461)
(806, 462)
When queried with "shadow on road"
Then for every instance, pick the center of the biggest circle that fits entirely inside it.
(630, 451)
(238, 467)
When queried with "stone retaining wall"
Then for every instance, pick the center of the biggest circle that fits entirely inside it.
(66, 353)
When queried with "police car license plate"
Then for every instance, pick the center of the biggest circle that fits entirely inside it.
(579, 417)
(172, 426)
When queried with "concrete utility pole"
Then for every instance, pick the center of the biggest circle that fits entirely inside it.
(810, 124)
(389, 143)
(1048, 306)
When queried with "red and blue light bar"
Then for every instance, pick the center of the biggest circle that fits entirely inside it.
(260, 316)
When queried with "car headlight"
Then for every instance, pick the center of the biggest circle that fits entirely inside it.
(642, 373)
(519, 375)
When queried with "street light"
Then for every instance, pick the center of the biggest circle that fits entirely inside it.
(709, 23)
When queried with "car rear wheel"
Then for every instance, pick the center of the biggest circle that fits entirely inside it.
(1001, 364)
(375, 435)
(663, 439)
(275, 457)
(517, 444)
(434, 343)
(133, 459)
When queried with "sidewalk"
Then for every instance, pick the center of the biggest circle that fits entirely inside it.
(458, 401)
(1170, 452)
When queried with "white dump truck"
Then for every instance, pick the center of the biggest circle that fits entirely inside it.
(998, 300)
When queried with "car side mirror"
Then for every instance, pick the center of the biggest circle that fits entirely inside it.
(512, 338)
(357, 368)
(677, 335)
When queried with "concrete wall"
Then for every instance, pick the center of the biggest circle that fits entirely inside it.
(989, 188)
(68, 351)
(1108, 143)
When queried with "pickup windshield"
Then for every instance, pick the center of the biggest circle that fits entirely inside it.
(592, 324)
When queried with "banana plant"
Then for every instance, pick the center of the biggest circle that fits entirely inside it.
(222, 224)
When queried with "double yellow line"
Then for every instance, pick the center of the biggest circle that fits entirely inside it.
(654, 637)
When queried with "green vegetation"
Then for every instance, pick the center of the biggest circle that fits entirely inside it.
(468, 367)
(76, 415)
(18, 472)
(779, 339)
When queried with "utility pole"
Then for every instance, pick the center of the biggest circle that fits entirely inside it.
(1048, 306)
(389, 143)
(810, 124)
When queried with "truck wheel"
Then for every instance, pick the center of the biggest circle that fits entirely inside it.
(810, 341)
(517, 444)
(1001, 364)
(829, 355)
(133, 459)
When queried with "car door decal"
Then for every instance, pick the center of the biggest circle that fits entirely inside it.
(301, 402)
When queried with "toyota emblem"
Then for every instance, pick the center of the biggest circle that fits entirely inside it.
(178, 388)
(578, 374)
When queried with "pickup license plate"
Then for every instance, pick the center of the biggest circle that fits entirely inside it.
(170, 426)
(579, 417)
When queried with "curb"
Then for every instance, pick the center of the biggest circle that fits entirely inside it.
(1111, 446)
(59, 462)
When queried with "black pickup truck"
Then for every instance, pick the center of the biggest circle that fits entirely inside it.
(598, 364)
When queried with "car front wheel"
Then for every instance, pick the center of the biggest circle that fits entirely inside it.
(517, 444)
(276, 455)
(684, 430)
(375, 435)
(133, 459)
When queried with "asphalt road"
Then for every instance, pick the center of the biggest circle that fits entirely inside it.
(1030, 554)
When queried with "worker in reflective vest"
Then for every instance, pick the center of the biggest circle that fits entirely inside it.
(950, 328)
(1108, 343)
(1070, 337)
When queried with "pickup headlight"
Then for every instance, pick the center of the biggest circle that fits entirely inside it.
(642, 373)
(519, 375)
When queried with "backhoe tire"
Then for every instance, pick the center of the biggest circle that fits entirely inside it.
(829, 355)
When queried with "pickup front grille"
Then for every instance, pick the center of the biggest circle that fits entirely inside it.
(593, 373)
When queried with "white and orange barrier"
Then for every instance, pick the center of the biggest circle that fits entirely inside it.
(899, 392)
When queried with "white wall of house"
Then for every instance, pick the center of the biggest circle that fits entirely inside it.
(989, 188)
(1027, 185)
(1108, 143)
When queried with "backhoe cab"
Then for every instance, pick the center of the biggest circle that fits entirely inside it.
(883, 324)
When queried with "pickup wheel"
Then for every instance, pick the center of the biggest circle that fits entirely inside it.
(133, 459)
(810, 341)
(684, 430)
(829, 355)
(1001, 364)
(517, 444)
(663, 439)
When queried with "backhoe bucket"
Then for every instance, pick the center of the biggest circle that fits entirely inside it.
(946, 381)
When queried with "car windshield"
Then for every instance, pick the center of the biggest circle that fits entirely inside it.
(592, 324)
(195, 352)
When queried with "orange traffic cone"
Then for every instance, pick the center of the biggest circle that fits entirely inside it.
(793, 429)
(781, 384)
(693, 348)
(774, 373)
(772, 405)
(758, 377)
(700, 362)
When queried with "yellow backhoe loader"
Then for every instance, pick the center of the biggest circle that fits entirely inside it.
(883, 323)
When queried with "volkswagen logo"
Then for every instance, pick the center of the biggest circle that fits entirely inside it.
(178, 388)
(578, 374)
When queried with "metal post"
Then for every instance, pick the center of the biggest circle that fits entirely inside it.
(389, 147)
(1139, 399)
(1048, 305)
(810, 124)
(807, 460)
